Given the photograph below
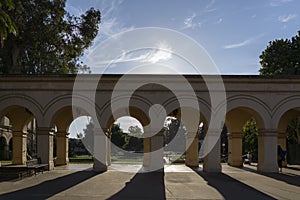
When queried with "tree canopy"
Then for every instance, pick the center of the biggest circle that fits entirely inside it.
(6, 24)
(281, 57)
(49, 41)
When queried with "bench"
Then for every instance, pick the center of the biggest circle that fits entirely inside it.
(36, 166)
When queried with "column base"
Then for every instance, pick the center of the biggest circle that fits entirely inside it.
(61, 161)
(269, 169)
(149, 169)
(236, 163)
(99, 167)
(192, 164)
(51, 165)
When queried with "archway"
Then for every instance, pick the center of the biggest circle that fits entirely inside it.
(19, 117)
(289, 135)
(127, 144)
(174, 141)
(235, 121)
(79, 132)
(63, 122)
(128, 130)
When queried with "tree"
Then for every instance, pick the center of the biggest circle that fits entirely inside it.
(175, 127)
(135, 142)
(135, 131)
(6, 24)
(49, 40)
(88, 137)
(281, 57)
(293, 131)
(117, 136)
(250, 135)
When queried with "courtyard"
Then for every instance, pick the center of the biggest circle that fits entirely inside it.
(78, 181)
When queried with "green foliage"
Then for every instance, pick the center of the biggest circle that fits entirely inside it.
(135, 131)
(88, 139)
(250, 135)
(293, 131)
(175, 127)
(50, 40)
(281, 57)
(134, 140)
(6, 24)
(118, 138)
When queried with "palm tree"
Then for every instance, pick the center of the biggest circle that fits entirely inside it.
(6, 24)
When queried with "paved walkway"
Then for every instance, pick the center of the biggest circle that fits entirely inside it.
(177, 182)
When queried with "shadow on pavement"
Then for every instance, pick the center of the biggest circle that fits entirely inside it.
(143, 186)
(291, 179)
(231, 188)
(51, 187)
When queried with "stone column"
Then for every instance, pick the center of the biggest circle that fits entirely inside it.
(45, 145)
(62, 148)
(147, 150)
(19, 148)
(212, 147)
(100, 150)
(155, 155)
(192, 159)
(267, 151)
(282, 143)
(235, 148)
(6, 151)
(108, 153)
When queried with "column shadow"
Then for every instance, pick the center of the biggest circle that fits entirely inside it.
(143, 186)
(231, 188)
(289, 178)
(49, 188)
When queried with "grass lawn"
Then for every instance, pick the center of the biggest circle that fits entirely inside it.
(81, 159)
(120, 159)
(6, 162)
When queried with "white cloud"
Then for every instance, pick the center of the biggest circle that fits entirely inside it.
(243, 43)
(74, 10)
(220, 21)
(286, 18)
(237, 45)
(189, 22)
(162, 53)
(275, 3)
(110, 24)
(210, 4)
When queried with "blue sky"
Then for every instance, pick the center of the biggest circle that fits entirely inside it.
(233, 32)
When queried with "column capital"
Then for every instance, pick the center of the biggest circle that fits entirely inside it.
(101, 132)
(19, 134)
(62, 134)
(44, 131)
(235, 135)
(267, 132)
